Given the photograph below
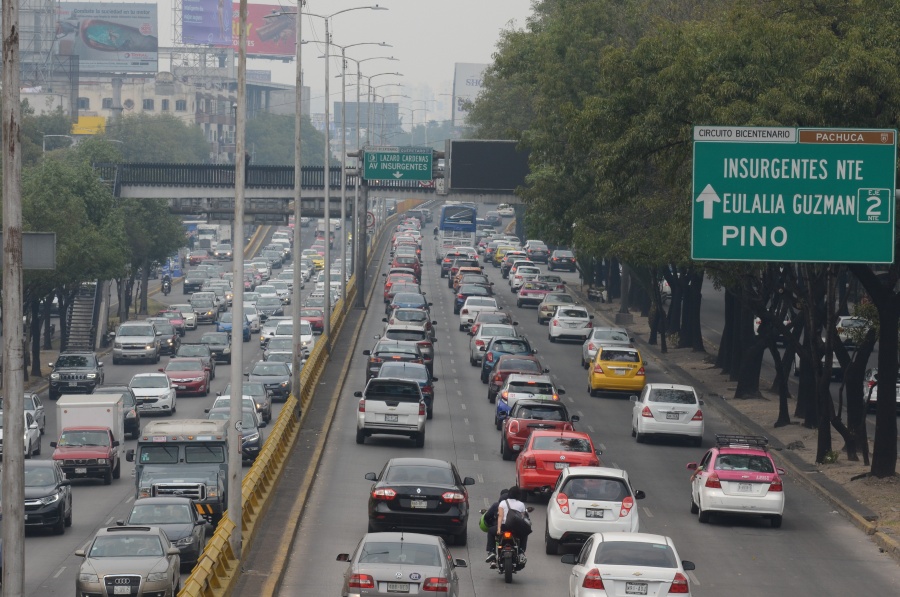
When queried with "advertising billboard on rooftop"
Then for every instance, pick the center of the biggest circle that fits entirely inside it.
(109, 37)
(467, 82)
(270, 32)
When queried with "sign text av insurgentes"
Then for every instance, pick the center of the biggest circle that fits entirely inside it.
(790, 194)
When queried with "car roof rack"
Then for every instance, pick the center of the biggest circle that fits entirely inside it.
(745, 441)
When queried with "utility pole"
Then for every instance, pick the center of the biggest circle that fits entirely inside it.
(361, 212)
(13, 492)
(237, 341)
(296, 300)
(327, 324)
(343, 174)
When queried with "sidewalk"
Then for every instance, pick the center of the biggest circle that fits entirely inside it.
(871, 504)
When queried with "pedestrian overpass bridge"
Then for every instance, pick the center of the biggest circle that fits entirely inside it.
(208, 189)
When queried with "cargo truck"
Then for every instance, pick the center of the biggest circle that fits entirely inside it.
(90, 429)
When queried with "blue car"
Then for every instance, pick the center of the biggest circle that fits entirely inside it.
(497, 347)
(225, 323)
(407, 300)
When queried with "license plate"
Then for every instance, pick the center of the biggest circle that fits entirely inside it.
(121, 590)
(620, 371)
(672, 416)
(593, 513)
(561, 465)
(80, 471)
(418, 503)
(745, 488)
(635, 588)
(391, 418)
(72, 384)
(398, 587)
(180, 387)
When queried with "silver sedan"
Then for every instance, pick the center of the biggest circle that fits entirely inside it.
(478, 343)
(387, 564)
(603, 337)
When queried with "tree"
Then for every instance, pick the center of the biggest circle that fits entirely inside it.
(270, 138)
(34, 128)
(159, 138)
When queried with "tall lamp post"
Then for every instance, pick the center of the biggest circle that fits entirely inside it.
(384, 117)
(424, 108)
(343, 76)
(371, 98)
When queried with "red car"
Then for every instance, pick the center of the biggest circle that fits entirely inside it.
(547, 453)
(532, 293)
(315, 317)
(188, 376)
(174, 317)
(508, 364)
(393, 279)
(408, 261)
(198, 257)
(528, 416)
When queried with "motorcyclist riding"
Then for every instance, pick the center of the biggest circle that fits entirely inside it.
(166, 284)
(513, 503)
(490, 527)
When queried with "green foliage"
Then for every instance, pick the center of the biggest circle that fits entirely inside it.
(270, 139)
(35, 127)
(158, 138)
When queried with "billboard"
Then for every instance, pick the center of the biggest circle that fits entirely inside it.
(203, 23)
(467, 82)
(109, 37)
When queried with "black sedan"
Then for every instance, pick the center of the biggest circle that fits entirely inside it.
(219, 345)
(252, 438)
(178, 517)
(421, 495)
(391, 351)
(48, 496)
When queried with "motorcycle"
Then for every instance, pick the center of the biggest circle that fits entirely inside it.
(166, 287)
(509, 558)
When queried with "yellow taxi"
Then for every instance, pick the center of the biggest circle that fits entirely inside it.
(616, 369)
(501, 252)
(318, 261)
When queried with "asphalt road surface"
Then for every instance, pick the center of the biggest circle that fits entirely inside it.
(816, 551)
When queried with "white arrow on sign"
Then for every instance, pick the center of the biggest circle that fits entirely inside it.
(398, 175)
(708, 198)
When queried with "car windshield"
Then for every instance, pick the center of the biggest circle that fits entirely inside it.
(159, 454)
(595, 488)
(493, 317)
(744, 462)
(204, 454)
(494, 330)
(250, 311)
(166, 329)
(265, 368)
(619, 356)
(310, 313)
(154, 514)
(188, 350)
(251, 388)
(279, 344)
(185, 365)
(672, 396)
(520, 365)
(559, 298)
(214, 338)
(126, 546)
(409, 297)
(540, 413)
(202, 304)
(226, 318)
(417, 474)
(150, 381)
(285, 328)
(83, 438)
(74, 361)
(400, 552)
(473, 290)
(410, 315)
(39, 476)
(635, 553)
(561, 444)
(268, 301)
(400, 349)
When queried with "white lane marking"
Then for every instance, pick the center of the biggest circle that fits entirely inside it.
(472, 438)
(63, 569)
(693, 578)
(480, 478)
(459, 392)
(454, 371)
(487, 503)
(648, 512)
(614, 465)
(581, 414)
(130, 499)
(109, 521)
(452, 362)
(466, 419)
(572, 400)
(456, 381)
(591, 429)
(463, 406)
(601, 447)
(475, 457)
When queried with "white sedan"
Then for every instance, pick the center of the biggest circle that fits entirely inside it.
(154, 392)
(471, 308)
(31, 439)
(190, 318)
(667, 409)
(570, 323)
(628, 564)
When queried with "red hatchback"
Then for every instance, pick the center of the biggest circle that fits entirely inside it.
(408, 261)
(188, 376)
(316, 318)
(395, 279)
(547, 453)
(528, 416)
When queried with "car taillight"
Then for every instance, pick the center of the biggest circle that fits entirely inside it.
(461, 296)
(423, 344)
(473, 328)
(489, 357)
(698, 416)
(421, 408)
(598, 368)
(640, 372)
(627, 505)
(465, 311)
(712, 482)
(592, 580)
(436, 584)
(361, 581)
(555, 323)
(591, 346)
(562, 500)
(679, 585)
(498, 377)
(590, 324)
(479, 342)
(362, 405)
(646, 412)
(776, 484)
(504, 396)
(384, 493)
(453, 497)
(374, 360)
(871, 384)
(556, 397)
(529, 462)
(513, 427)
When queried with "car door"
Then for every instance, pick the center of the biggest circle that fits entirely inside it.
(581, 567)
(33, 435)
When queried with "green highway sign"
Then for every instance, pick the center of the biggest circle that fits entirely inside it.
(397, 163)
(794, 194)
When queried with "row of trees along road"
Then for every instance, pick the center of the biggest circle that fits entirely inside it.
(604, 95)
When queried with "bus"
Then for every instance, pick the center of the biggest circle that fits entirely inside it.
(456, 228)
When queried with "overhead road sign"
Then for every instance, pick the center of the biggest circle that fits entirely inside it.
(398, 163)
(794, 194)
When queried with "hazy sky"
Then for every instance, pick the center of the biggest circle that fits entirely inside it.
(428, 37)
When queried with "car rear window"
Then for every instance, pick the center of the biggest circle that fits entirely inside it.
(541, 413)
(595, 488)
(610, 336)
(672, 396)
(405, 335)
(402, 553)
(577, 313)
(561, 444)
(402, 392)
(743, 462)
(420, 474)
(509, 345)
(521, 365)
(619, 356)
(634, 553)
(538, 389)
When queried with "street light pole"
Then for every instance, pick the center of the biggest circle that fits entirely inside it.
(296, 299)
(327, 323)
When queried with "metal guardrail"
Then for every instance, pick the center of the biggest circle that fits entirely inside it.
(222, 175)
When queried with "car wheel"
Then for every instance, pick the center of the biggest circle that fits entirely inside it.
(42, 430)
(462, 328)
(206, 390)
(694, 508)
(117, 472)
(115, 361)
(519, 304)
(591, 391)
(551, 545)
(420, 440)
(639, 437)
(484, 378)
(702, 515)
(505, 452)
(633, 434)
(60, 527)
(429, 413)
(491, 397)
(472, 361)
(37, 452)
(108, 476)
(28, 452)
(552, 339)
(68, 517)
(776, 521)
(361, 439)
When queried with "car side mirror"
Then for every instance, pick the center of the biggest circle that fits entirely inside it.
(469, 481)
(574, 418)
(161, 370)
(33, 426)
(547, 370)
(206, 410)
(691, 466)
(80, 553)
(633, 398)
(687, 565)
(560, 391)
(115, 443)
(367, 352)
(434, 379)
(371, 477)
(701, 403)
(639, 494)
(100, 364)
(434, 323)
(246, 375)
(120, 523)
(384, 319)
(129, 455)
(780, 470)
(261, 424)
(515, 323)
(357, 394)
(343, 557)
(52, 444)
(173, 551)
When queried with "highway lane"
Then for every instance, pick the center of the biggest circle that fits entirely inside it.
(51, 565)
(815, 550)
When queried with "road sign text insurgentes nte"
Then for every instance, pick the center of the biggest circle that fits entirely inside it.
(794, 194)
(398, 163)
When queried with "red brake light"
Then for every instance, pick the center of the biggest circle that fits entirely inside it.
(592, 580)
(562, 501)
(421, 409)
(361, 581)
(453, 497)
(598, 368)
(555, 323)
(465, 311)
(424, 343)
(384, 493)
(679, 584)
(498, 377)
(362, 405)
(776, 484)
(591, 346)
(490, 357)
(513, 427)
(590, 324)
(460, 296)
(436, 584)
(507, 535)
(504, 396)
(479, 342)
(640, 372)
(646, 412)
(529, 462)
(627, 505)
(712, 482)
(698, 416)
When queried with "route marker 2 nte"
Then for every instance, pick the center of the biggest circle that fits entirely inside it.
(398, 163)
(794, 194)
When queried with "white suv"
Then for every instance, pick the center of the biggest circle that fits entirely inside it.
(588, 500)
(571, 323)
(391, 406)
